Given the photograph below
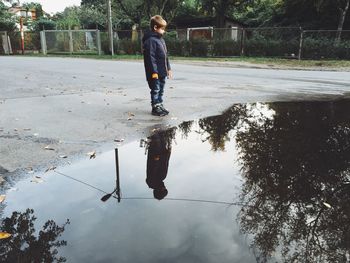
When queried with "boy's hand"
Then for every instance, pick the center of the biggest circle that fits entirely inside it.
(170, 74)
(155, 76)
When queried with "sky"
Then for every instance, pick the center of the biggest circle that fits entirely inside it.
(53, 6)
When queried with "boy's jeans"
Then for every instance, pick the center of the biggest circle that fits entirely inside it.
(157, 90)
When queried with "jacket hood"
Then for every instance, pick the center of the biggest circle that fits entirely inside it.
(150, 34)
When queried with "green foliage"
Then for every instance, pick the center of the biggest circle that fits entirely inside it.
(91, 18)
(259, 13)
(7, 21)
(178, 47)
(36, 6)
(68, 19)
(226, 48)
(200, 48)
(43, 24)
(325, 48)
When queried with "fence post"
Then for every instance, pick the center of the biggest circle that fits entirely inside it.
(43, 42)
(301, 43)
(98, 39)
(243, 36)
(5, 43)
(70, 41)
(141, 36)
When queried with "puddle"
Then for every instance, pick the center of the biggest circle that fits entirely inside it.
(261, 182)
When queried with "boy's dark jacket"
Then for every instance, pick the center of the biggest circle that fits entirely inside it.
(155, 55)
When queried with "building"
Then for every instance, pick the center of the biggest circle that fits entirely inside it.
(205, 28)
(23, 12)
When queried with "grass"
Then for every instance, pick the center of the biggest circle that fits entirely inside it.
(253, 60)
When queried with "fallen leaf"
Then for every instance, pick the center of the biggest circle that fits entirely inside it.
(2, 198)
(4, 235)
(37, 180)
(327, 205)
(50, 169)
(48, 147)
(131, 114)
(92, 155)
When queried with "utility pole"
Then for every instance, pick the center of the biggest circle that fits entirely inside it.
(22, 34)
(110, 27)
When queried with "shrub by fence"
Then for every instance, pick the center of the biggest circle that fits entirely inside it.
(253, 42)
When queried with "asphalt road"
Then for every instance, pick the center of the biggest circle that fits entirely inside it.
(75, 106)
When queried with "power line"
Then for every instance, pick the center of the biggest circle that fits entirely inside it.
(149, 198)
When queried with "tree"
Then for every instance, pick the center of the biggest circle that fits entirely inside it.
(296, 168)
(259, 13)
(343, 6)
(68, 19)
(295, 159)
(92, 18)
(42, 24)
(24, 245)
(221, 9)
(7, 20)
(36, 6)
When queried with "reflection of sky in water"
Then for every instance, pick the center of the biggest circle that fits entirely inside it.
(144, 230)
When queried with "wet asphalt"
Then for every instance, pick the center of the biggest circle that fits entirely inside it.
(56, 110)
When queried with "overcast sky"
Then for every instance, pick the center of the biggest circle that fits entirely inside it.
(53, 6)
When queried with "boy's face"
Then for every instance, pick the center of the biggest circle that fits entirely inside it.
(159, 29)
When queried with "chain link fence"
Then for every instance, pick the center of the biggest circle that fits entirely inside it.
(325, 44)
(31, 42)
(70, 41)
(281, 42)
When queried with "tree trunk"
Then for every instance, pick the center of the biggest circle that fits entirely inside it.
(343, 12)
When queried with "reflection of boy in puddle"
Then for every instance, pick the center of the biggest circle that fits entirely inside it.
(159, 149)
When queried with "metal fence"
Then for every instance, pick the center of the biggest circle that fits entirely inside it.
(70, 42)
(282, 42)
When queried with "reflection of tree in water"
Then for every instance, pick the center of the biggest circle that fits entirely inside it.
(24, 246)
(218, 127)
(185, 128)
(294, 166)
(295, 163)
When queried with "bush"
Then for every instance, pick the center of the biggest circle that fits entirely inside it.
(43, 24)
(226, 48)
(325, 48)
(127, 46)
(178, 47)
(199, 48)
(260, 46)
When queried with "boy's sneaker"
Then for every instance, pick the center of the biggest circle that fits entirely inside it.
(157, 111)
(164, 109)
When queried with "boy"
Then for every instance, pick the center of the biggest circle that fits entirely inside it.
(156, 62)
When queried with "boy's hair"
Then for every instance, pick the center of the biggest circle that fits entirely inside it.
(157, 21)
